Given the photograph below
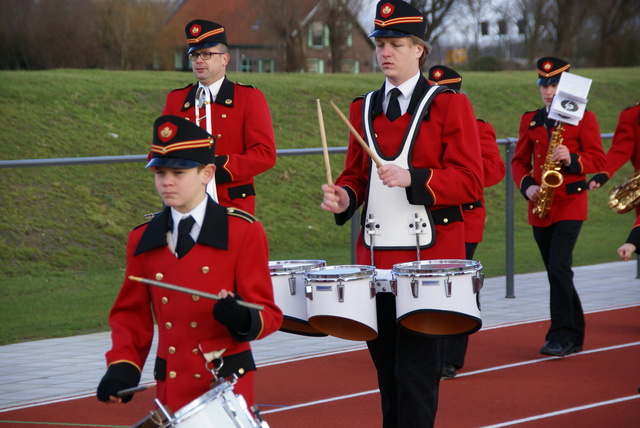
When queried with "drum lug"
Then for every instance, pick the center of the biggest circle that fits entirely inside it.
(478, 282)
(308, 292)
(447, 286)
(340, 291)
(292, 285)
(415, 285)
(372, 289)
(394, 286)
(168, 417)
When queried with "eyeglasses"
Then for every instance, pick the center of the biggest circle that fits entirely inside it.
(204, 55)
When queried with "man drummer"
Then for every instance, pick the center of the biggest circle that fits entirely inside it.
(237, 115)
(222, 251)
(429, 177)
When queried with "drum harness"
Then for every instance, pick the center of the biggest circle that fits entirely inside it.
(204, 99)
(420, 223)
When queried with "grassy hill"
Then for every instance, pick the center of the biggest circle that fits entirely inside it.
(63, 229)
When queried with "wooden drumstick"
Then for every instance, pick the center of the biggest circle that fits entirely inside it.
(192, 291)
(356, 135)
(323, 138)
(135, 389)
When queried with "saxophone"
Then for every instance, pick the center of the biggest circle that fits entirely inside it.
(625, 197)
(551, 177)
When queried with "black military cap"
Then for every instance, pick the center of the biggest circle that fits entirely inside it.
(179, 143)
(442, 75)
(550, 69)
(395, 18)
(203, 34)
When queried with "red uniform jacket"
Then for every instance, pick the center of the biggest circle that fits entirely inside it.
(445, 170)
(245, 143)
(231, 253)
(493, 172)
(587, 156)
(624, 146)
(634, 235)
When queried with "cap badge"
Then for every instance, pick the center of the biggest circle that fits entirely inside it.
(167, 131)
(548, 65)
(437, 74)
(195, 30)
(387, 10)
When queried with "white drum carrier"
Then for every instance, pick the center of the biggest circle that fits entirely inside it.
(438, 297)
(287, 279)
(341, 301)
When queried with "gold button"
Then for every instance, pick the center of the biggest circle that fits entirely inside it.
(579, 189)
(197, 376)
(195, 351)
(219, 136)
(172, 349)
(224, 116)
(194, 324)
(172, 374)
(445, 221)
(533, 122)
(244, 195)
(187, 104)
(159, 276)
(165, 300)
(168, 325)
(240, 371)
(471, 207)
(228, 101)
(195, 298)
(205, 269)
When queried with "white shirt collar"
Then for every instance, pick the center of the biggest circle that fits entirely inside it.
(406, 87)
(198, 215)
(214, 88)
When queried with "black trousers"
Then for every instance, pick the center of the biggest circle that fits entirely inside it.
(556, 244)
(409, 367)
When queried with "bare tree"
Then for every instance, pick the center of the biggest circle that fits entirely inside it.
(435, 12)
(341, 22)
(616, 26)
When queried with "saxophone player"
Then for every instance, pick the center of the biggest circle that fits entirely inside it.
(557, 232)
(633, 242)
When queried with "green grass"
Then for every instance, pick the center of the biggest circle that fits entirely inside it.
(63, 229)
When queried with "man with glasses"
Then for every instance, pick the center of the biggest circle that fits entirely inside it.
(236, 115)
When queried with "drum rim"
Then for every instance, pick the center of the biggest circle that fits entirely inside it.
(190, 408)
(412, 268)
(322, 274)
(301, 266)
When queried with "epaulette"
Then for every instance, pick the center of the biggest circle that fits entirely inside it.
(245, 85)
(180, 89)
(481, 120)
(236, 212)
(359, 97)
(450, 90)
(141, 224)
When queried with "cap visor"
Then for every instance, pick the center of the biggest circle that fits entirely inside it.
(389, 33)
(202, 46)
(548, 81)
(173, 163)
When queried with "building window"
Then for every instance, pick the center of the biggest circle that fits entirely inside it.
(266, 65)
(349, 66)
(345, 33)
(315, 65)
(245, 65)
(318, 36)
(178, 60)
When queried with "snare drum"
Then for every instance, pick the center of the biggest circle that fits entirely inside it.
(341, 301)
(438, 297)
(287, 279)
(219, 407)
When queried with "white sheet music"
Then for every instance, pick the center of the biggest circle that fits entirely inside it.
(570, 100)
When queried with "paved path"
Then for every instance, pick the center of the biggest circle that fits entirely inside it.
(56, 369)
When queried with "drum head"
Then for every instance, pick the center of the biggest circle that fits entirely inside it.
(284, 267)
(343, 328)
(439, 323)
(433, 267)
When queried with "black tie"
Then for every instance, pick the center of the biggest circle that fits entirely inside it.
(185, 242)
(393, 109)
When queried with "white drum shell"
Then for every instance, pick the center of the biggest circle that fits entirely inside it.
(341, 301)
(219, 407)
(447, 301)
(287, 280)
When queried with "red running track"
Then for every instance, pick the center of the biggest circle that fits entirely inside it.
(505, 382)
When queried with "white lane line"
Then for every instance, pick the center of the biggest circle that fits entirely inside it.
(565, 411)
(503, 367)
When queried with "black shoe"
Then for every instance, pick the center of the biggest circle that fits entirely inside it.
(570, 348)
(553, 348)
(449, 371)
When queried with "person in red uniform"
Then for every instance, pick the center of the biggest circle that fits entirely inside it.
(632, 243)
(237, 115)
(431, 174)
(474, 212)
(227, 255)
(556, 234)
(624, 146)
